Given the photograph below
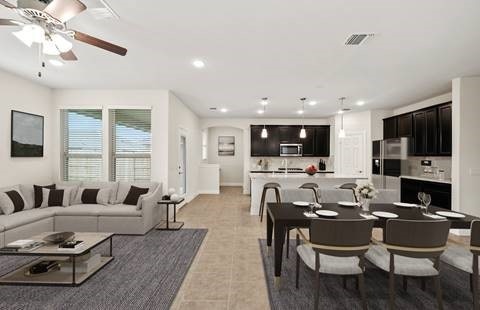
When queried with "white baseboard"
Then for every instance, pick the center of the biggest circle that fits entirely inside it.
(231, 184)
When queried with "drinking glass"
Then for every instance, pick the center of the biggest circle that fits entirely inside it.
(427, 200)
(312, 207)
(421, 197)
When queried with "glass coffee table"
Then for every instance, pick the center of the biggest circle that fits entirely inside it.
(71, 272)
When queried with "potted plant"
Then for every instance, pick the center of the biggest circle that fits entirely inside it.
(365, 193)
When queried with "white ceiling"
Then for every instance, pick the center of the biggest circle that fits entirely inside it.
(281, 49)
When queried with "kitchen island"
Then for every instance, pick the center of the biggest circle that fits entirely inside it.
(290, 180)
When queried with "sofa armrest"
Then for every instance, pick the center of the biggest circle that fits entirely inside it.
(150, 208)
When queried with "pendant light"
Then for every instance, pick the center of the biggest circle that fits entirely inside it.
(341, 133)
(303, 132)
(264, 134)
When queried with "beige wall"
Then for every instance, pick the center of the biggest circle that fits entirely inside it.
(25, 96)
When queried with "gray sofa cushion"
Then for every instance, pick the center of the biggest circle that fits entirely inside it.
(112, 185)
(124, 187)
(120, 210)
(28, 194)
(24, 217)
(85, 210)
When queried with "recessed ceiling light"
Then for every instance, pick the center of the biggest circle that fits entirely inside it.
(264, 101)
(300, 112)
(197, 63)
(312, 103)
(340, 111)
(55, 62)
(260, 111)
(360, 102)
(223, 110)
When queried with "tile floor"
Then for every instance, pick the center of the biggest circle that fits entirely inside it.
(227, 272)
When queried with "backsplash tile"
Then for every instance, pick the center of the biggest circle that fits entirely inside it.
(293, 162)
(415, 168)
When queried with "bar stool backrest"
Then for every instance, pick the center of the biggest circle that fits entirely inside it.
(475, 236)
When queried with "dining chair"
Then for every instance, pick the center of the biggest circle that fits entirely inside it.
(352, 187)
(334, 195)
(313, 187)
(335, 247)
(466, 259)
(292, 195)
(411, 249)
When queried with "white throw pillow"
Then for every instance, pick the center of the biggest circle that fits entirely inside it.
(61, 198)
(103, 195)
(72, 189)
(7, 205)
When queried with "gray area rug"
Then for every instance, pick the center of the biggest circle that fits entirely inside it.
(147, 273)
(455, 286)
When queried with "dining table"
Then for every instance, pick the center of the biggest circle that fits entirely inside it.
(283, 216)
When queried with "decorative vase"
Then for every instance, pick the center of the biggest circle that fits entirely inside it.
(174, 197)
(365, 203)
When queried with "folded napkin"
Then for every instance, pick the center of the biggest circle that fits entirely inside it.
(310, 214)
(435, 216)
(369, 216)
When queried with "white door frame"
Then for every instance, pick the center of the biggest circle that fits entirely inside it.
(363, 133)
(182, 132)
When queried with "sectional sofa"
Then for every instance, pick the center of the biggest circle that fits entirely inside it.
(114, 217)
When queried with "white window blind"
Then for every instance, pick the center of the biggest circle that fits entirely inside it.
(82, 145)
(131, 145)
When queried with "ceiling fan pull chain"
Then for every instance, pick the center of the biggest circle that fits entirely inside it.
(42, 63)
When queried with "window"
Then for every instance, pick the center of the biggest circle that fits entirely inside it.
(131, 145)
(82, 145)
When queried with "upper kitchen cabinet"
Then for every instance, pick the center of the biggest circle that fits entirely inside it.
(289, 134)
(308, 143)
(273, 142)
(419, 133)
(445, 130)
(258, 146)
(322, 141)
(431, 133)
(405, 125)
(390, 128)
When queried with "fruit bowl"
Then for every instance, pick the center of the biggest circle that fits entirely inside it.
(59, 237)
(311, 170)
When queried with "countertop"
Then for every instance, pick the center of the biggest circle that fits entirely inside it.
(290, 172)
(292, 176)
(427, 179)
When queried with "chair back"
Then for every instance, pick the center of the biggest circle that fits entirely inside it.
(349, 186)
(309, 186)
(334, 195)
(418, 239)
(475, 236)
(387, 196)
(341, 237)
(297, 194)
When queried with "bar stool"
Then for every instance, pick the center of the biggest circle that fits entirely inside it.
(313, 187)
(266, 187)
(351, 186)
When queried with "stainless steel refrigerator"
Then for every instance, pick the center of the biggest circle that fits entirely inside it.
(389, 162)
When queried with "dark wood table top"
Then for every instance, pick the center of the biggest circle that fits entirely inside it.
(293, 215)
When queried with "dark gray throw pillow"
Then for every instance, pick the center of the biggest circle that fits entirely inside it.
(17, 200)
(134, 194)
(38, 194)
(89, 195)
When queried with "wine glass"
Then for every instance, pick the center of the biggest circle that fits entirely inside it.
(421, 197)
(312, 207)
(427, 200)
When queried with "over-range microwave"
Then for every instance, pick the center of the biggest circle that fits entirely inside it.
(291, 150)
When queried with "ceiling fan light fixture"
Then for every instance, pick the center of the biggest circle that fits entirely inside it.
(49, 48)
(63, 45)
(36, 33)
(24, 37)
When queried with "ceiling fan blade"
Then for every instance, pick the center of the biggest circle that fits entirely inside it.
(10, 22)
(64, 10)
(80, 36)
(7, 4)
(68, 56)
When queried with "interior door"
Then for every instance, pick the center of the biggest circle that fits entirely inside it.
(352, 154)
(182, 166)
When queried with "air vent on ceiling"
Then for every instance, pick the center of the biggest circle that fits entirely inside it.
(358, 38)
(213, 109)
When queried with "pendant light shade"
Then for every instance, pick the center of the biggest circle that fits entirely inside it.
(303, 132)
(264, 133)
(341, 133)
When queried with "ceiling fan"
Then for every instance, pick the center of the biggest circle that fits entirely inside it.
(44, 22)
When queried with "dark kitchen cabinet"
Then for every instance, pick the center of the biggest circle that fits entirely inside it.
(390, 128)
(405, 125)
(322, 141)
(445, 130)
(308, 143)
(441, 192)
(419, 133)
(258, 146)
(431, 130)
(273, 142)
(289, 134)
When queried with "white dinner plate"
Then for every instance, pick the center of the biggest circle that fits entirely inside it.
(386, 215)
(326, 213)
(450, 214)
(348, 203)
(301, 203)
(405, 205)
